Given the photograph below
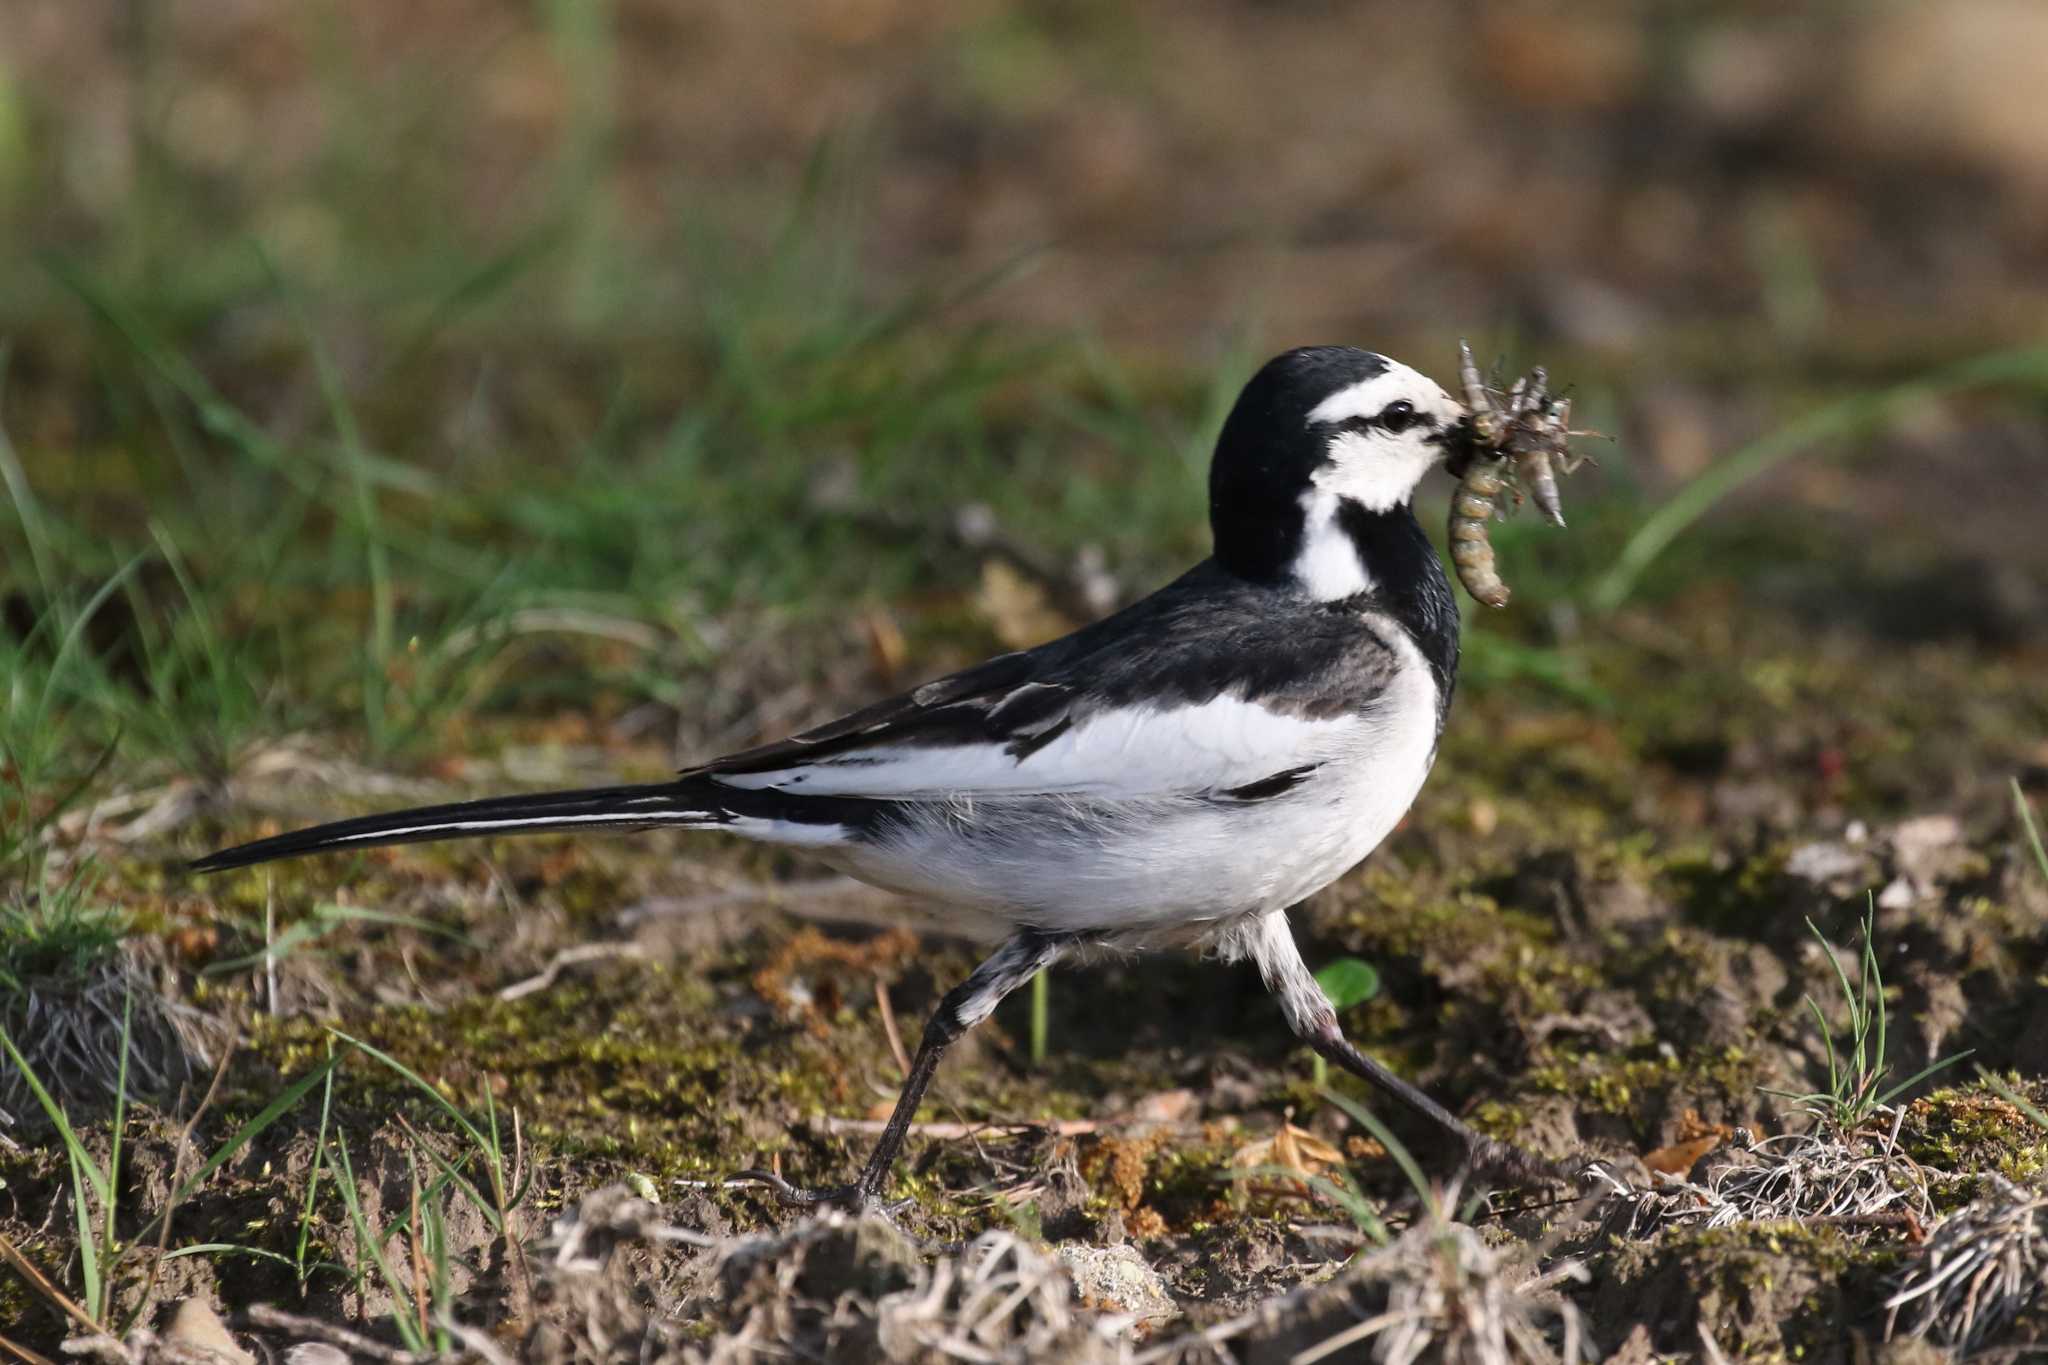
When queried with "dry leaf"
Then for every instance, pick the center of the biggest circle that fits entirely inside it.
(1294, 1148)
(1679, 1157)
(886, 646)
(1696, 1137)
(1016, 608)
(1167, 1106)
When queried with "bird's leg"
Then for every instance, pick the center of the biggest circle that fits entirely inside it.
(1022, 956)
(1309, 1014)
(1483, 1154)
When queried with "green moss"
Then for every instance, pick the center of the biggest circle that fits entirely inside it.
(1744, 897)
(1637, 1088)
(1971, 1130)
(1761, 1291)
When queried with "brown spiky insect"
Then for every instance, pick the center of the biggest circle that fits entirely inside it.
(1521, 440)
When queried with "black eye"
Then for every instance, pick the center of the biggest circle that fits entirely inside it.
(1398, 415)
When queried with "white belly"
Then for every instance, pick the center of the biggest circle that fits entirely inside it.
(1169, 867)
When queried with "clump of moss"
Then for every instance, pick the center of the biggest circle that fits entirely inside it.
(1971, 1130)
(1758, 1290)
(1641, 1089)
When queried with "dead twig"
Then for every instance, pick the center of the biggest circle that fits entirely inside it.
(1978, 1269)
(334, 1334)
(946, 1130)
(565, 959)
(1825, 1178)
(888, 1013)
(23, 1353)
(43, 1285)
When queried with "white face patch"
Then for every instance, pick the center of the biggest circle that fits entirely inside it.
(1369, 397)
(1378, 468)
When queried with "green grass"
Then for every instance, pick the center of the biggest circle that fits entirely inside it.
(1341, 1188)
(691, 455)
(389, 586)
(55, 937)
(108, 1235)
(411, 1259)
(1857, 1063)
(2032, 831)
(2022, 369)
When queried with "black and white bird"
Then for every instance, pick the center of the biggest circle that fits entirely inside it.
(1176, 775)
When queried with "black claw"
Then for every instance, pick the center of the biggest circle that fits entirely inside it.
(1590, 1175)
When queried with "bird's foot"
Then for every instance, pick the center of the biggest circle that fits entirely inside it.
(1582, 1172)
(1591, 1176)
(854, 1198)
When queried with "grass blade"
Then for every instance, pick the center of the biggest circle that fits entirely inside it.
(268, 1115)
(1395, 1148)
(1922, 1074)
(323, 921)
(120, 1116)
(1850, 417)
(57, 1118)
(313, 1176)
(88, 1249)
(450, 1175)
(2026, 814)
(225, 1249)
(475, 1135)
(2013, 1097)
(371, 1244)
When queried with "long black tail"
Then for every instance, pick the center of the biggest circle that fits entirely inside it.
(688, 804)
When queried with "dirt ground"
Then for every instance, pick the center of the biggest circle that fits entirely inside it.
(1598, 931)
(1592, 936)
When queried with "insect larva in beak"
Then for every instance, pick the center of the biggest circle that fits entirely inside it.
(1472, 506)
(1520, 442)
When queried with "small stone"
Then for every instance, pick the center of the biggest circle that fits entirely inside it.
(1927, 850)
(1636, 1349)
(1119, 1279)
(195, 1326)
(1896, 896)
(1165, 1106)
(1821, 863)
(315, 1353)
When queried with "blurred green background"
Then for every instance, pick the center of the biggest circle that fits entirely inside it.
(377, 369)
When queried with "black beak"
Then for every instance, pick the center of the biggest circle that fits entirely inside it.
(1460, 441)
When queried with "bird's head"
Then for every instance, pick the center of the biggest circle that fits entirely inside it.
(1321, 437)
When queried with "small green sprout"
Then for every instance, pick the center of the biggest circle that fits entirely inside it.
(1347, 982)
(1857, 1066)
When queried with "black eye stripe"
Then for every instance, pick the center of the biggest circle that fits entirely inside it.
(1374, 422)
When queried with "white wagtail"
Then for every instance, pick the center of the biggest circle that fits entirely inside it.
(1178, 774)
